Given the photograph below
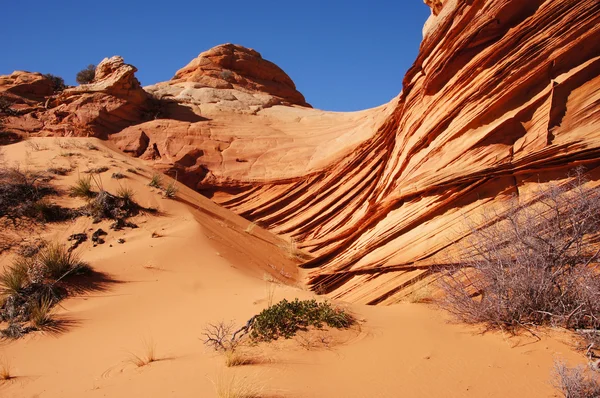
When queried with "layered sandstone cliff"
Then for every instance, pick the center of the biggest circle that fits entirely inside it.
(503, 95)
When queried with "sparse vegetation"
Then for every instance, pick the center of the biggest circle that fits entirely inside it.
(97, 170)
(83, 188)
(35, 146)
(148, 355)
(235, 387)
(533, 264)
(86, 76)
(156, 181)
(285, 318)
(58, 261)
(5, 371)
(31, 286)
(40, 313)
(58, 83)
(171, 191)
(577, 382)
(125, 193)
(59, 171)
(118, 176)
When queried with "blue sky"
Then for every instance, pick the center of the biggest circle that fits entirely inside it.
(342, 55)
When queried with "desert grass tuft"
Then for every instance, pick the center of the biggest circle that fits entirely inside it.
(59, 262)
(235, 358)
(148, 356)
(156, 181)
(41, 314)
(5, 371)
(237, 387)
(14, 277)
(125, 193)
(171, 191)
(82, 187)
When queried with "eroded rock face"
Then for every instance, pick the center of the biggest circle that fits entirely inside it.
(230, 78)
(504, 94)
(113, 101)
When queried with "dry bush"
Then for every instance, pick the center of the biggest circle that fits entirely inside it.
(533, 264)
(19, 190)
(86, 76)
(171, 191)
(220, 336)
(577, 382)
(82, 188)
(156, 181)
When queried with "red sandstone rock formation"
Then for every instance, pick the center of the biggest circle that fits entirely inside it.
(113, 101)
(503, 94)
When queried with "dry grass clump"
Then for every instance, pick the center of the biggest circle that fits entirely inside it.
(148, 355)
(236, 387)
(5, 371)
(577, 382)
(14, 277)
(533, 264)
(19, 191)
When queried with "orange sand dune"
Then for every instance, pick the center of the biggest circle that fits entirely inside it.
(207, 266)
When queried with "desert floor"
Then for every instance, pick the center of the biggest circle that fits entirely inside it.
(196, 263)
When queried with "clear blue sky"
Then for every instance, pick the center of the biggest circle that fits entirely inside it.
(342, 55)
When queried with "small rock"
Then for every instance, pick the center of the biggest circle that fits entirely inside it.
(121, 240)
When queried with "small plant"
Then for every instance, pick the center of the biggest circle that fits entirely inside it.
(132, 171)
(125, 193)
(86, 76)
(83, 188)
(36, 146)
(235, 358)
(220, 337)
(14, 277)
(97, 170)
(156, 181)
(5, 371)
(235, 387)
(285, 318)
(59, 171)
(58, 83)
(40, 313)
(58, 261)
(576, 382)
(148, 356)
(91, 146)
(118, 176)
(171, 191)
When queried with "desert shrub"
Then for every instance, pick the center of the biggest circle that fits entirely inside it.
(533, 263)
(86, 76)
(577, 382)
(286, 318)
(220, 336)
(82, 188)
(58, 83)
(20, 191)
(108, 206)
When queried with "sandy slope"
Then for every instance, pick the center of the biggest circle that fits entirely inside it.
(210, 266)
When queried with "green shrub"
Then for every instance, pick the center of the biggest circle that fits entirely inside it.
(285, 318)
(86, 75)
